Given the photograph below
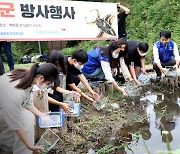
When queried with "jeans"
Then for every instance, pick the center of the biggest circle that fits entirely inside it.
(7, 48)
(171, 62)
(1, 66)
(98, 73)
(124, 37)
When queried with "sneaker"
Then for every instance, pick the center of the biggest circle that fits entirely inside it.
(158, 78)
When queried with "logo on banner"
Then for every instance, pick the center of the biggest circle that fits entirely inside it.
(6, 9)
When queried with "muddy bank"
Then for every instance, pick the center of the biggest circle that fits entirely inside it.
(109, 130)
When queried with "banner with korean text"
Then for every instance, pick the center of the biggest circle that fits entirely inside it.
(32, 20)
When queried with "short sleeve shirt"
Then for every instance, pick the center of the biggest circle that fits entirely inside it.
(71, 70)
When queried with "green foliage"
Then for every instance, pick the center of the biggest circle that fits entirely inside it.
(146, 20)
(27, 48)
(86, 45)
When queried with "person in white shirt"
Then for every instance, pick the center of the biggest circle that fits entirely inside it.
(17, 109)
(103, 59)
(165, 53)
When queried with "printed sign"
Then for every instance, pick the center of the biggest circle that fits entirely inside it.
(34, 20)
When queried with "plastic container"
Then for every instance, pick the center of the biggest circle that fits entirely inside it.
(144, 79)
(75, 109)
(132, 90)
(52, 119)
(101, 103)
(171, 71)
(68, 98)
(48, 140)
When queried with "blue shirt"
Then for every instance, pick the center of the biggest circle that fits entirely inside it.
(94, 58)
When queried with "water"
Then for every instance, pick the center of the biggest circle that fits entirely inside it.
(156, 117)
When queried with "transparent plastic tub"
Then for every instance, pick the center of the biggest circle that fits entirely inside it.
(171, 71)
(51, 119)
(48, 140)
(132, 90)
(144, 79)
(101, 103)
(68, 98)
(75, 109)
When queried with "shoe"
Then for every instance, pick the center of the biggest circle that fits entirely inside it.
(158, 78)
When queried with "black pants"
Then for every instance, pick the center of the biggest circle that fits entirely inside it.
(57, 96)
(171, 62)
(75, 80)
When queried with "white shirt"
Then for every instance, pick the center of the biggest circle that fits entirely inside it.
(107, 70)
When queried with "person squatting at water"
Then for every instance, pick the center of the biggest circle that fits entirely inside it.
(103, 59)
(17, 109)
(55, 98)
(165, 53)
(136, 58)
(73, 65)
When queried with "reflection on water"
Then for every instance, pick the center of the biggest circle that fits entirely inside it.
(155, 117)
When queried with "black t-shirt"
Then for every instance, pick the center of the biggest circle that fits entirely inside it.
(71, 70)
(122, 23)
(133, 55)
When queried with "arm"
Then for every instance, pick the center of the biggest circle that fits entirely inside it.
(132, 71)
(64, 106)
(61, 90)
(124, 69)
(75, 94)
(177, 57)
(75, 88)
(86, 84)
(127, 11)
(22, 135)
(107, 71)
(157, 60)
(143, 65)
(34, 110)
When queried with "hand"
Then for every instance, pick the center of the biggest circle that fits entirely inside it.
(92, 101)
(144, 71)
(76, 95)
(66, 108)
(115, 71)
(95, 95)
(175, 66)
(138, 83)
(118, 4)
(36, 149)
(124, 92)
(164, 71)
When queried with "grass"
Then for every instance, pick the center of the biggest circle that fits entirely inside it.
(17, 66)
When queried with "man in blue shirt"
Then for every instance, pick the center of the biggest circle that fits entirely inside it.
(165, 53)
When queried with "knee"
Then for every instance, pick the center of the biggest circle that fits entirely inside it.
(155, 66)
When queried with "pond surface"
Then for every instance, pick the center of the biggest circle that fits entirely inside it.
(155, 117)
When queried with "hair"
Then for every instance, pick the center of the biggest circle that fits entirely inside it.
(165, 33)
(80, 55)
(107, 51)
(26, 77)
(143, 46)
(57, 57)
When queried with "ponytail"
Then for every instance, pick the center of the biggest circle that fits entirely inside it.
(26, 77)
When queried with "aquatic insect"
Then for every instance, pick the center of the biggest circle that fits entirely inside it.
(104, 24)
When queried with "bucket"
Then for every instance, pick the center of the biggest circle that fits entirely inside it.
(75, 110)
(48, 140)
(52, 119)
